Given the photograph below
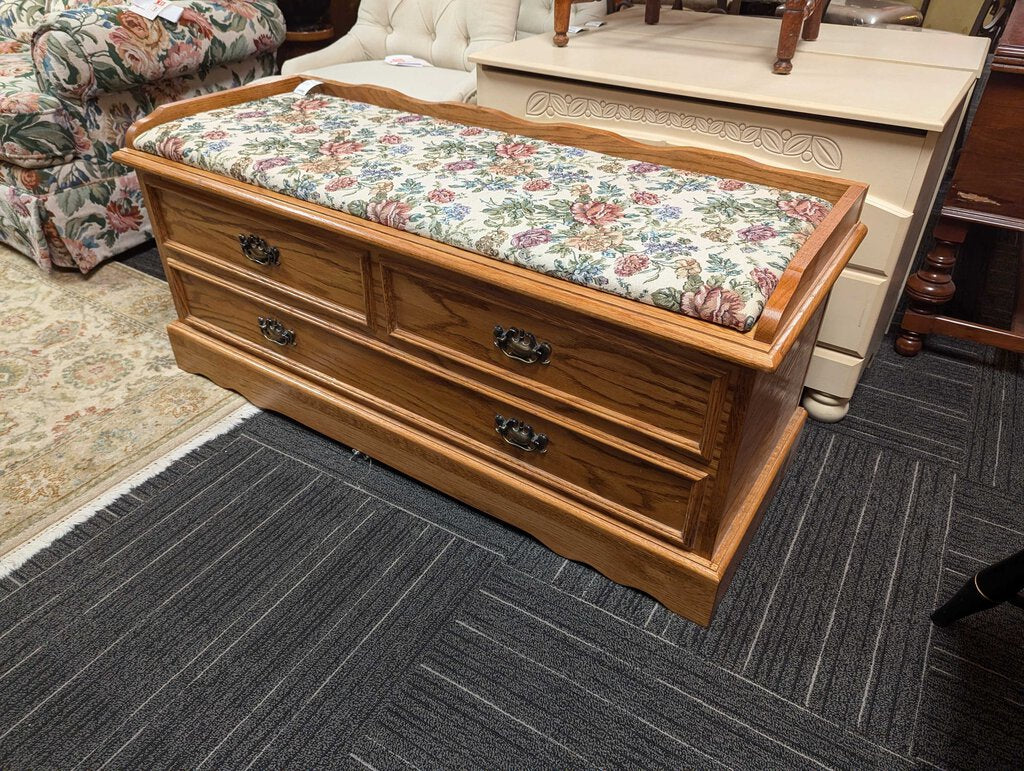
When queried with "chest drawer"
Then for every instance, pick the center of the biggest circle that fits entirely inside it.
(320, 265)
(624, 380)
(532, 444)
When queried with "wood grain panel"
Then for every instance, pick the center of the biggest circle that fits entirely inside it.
(675, 397)
(325, 268)
(654, 493)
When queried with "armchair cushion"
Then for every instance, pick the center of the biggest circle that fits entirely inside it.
(434, 84)
(35, 130)
(89, 50)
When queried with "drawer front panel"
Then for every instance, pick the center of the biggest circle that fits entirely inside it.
(624, 381)
(663, 498)
(320, 265)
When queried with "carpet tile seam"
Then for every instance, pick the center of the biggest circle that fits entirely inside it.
(929, 406)
(188, 534)
(857, 418)
(426, 521)
(28, 584)
(735, 719)
(361, 762)
(937, 377)
(842, 581)
(888, 594)
(391, 752)
(580, 686)
(356, 486)
(931, 629)
(889, 444)
(129, 631)
(138, 625)
(713, 664)
(380, 620)
(241, 614)
(327, 633)
(306, 575)
(994, 524)
(999, 431)
(948, 652)
(41, 573)
(495, 707)
(789, 553)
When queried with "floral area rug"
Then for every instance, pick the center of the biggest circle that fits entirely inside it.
(89, 391)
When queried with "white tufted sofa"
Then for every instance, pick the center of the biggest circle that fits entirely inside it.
(536, 17)
(443, 32)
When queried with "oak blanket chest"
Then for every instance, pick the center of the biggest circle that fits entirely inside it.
(477, 355)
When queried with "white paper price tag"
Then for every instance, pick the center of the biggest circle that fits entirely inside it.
(151, 9)
(306, 86)
(405, 60)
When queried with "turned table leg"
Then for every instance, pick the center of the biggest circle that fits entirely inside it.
(792, 22)
(932, 286)
(813, 24)
(652, 12)
(563, 11)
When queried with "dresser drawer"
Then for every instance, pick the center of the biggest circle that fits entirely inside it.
(321, 265)
(627, 381)
(533, 444)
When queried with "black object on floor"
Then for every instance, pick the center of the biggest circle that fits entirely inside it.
(988, 588)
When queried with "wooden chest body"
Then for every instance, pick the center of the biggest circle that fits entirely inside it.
(664, 435)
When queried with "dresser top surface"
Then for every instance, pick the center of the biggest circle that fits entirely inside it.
(907, 78)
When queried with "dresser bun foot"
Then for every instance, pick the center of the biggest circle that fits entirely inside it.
(909, 343)
(825, 408)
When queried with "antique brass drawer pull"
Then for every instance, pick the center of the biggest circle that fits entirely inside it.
(521, 345)
(518, 434)
(258, 250)
(276, 332)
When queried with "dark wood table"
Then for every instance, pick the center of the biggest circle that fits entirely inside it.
(987, 191)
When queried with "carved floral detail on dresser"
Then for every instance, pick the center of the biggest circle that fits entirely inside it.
(809, 148)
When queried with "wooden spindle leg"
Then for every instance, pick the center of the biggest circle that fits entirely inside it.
(813, 24)
(563, 11)
(652, 12)
(792, 22)
(931, 287)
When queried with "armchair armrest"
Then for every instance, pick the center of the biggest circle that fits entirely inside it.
(86, 51)
(342, 51)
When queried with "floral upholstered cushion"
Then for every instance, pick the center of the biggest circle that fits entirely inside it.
(704, 246)
(97, 47)
(18, 18)
(34, 127)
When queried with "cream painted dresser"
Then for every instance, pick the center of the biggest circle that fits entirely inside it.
(881, 106)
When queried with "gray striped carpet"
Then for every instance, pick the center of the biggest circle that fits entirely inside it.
(274, 601)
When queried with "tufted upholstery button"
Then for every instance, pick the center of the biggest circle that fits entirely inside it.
(389, 29)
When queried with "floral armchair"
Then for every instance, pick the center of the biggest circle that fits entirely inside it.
(74, 75)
